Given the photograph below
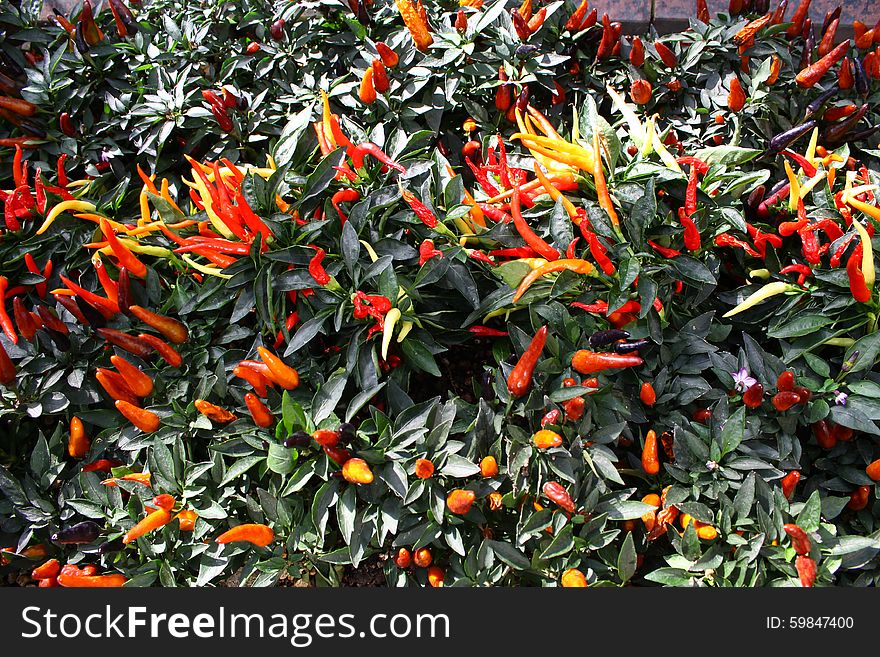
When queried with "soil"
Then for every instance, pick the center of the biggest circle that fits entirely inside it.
(461, 370)
(368, 574)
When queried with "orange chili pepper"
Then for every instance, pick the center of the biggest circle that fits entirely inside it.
(575, 265)
(255, 534)
(172, 329)
(214, 413)
(78, 444)
(279, 371)
(650, 456)
(145, 420)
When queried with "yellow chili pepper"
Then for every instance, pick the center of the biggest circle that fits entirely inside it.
(794, 187)
(210, 271)
(808, 186)
(769, 290)
(811, 147)
(405, 328)
(634, 127)
(665, 156)
(648, 146)
(575, 265)
(167, 196)
(372, 253)
(61, 208)
(763, 274)
(391, 318)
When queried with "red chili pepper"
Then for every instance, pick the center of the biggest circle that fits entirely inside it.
(51, 321)
(344, 196)
(168, 353)
(787, 228)
(70, 306)
(109, 285)
(529, 236)
(214, 243)
(789, 482)
(802, 270)
(515, 252)
(59, 168)
(101, 465)
(782, 401)
(694, 162)
(427, 251)
(31, 265)
(808, 167)
(810, 245)
(785, 381)
(495, 214)
(666, 55)
(726, 239)
(857, 286)
(316, 271)
(7, 367)
(810, 75)
(557, 494)
(832, 230)
(105, 306)
(368, 148)
(838, 254)
(690, 196)
(691, 232)
(481, 257)
(10, 216)
(637, 53)
(39, 191)
(422, 211)
(591, 362)
(606, 45)
(754, 396)
(487, 331)
(571, 249)
(23, 320)
(133, 345)
(800, 541)
(598, 251)
(600, 307)
(664, 251)
(520, 379)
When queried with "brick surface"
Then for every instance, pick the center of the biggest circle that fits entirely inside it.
(636, 15)
(867, 11)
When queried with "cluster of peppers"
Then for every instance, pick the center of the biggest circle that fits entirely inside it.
(85, 33)
(220, 107)
(375, 79)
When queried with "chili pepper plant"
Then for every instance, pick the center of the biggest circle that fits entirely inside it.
(471, 294)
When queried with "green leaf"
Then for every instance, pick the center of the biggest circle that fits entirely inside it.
(731, 435)
(418, 355)
(562, 543)
(509, 554)
(281, 459)
(240, 467)
(810, 515)
(328, 395)
(627, 559)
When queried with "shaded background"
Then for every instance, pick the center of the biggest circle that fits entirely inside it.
(638, 15)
